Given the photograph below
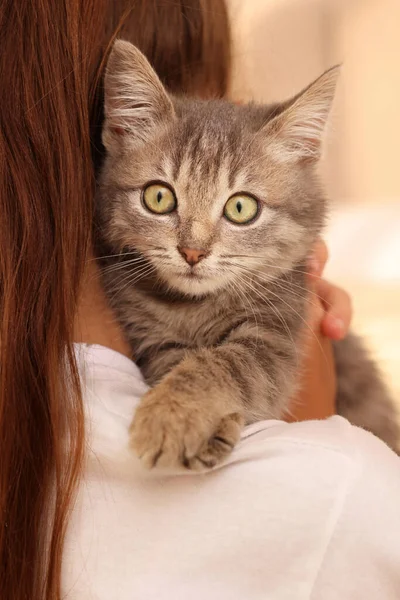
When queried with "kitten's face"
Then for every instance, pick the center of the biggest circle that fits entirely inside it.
(209, 193)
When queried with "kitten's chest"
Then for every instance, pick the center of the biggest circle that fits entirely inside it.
(151, 322)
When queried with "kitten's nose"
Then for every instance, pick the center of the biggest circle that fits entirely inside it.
(192, 255)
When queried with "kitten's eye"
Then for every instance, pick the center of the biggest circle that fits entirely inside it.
(241, 209)
(159, 199)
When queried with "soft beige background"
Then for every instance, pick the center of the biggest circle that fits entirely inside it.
(282, 45)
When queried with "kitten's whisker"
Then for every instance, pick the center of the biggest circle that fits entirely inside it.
(116, 268)
(139, 270)
(111, 256)
(250, 304)
(260, 275)
(284, 271)
(250, 286)
(122, 264)
(290, 285)
(129, 282)
(111, 268)
(265, 264)
(287, 286)
(129, 253)
(133, 276)
(246, 302)
(300, 317)
(128, 261)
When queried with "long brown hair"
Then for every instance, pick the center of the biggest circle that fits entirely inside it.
(188, 43)
(51, 63)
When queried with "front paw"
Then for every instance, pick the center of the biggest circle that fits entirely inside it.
(172, 430)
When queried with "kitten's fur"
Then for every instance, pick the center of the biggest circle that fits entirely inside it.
(218, 342)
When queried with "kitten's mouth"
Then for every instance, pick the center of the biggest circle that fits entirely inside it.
(193, 283)
(191, 277)
(191, 273)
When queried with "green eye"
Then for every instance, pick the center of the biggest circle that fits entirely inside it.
(241, 209)
(159, 199)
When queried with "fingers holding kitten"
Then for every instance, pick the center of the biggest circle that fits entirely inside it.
(334, 320)
(337, 305)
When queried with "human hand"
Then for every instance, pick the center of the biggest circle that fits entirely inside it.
(336, 314)
(329, 319)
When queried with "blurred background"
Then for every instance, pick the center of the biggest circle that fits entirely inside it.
(282, 45)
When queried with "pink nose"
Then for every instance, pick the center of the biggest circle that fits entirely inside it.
(192, 255)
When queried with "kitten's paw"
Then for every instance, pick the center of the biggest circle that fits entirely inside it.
(177, 432)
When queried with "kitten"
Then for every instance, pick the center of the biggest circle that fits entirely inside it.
(206, 212)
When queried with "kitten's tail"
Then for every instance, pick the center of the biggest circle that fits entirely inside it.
(362, 396)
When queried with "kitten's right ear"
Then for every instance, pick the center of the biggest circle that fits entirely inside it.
(135, 101)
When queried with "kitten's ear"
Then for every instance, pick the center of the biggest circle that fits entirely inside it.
(298, 130)
(135, 101)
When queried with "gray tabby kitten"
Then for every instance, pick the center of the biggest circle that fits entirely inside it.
(206, 213)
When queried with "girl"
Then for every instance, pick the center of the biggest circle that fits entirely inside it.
(285, 516)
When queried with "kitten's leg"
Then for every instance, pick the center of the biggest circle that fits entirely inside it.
(194, 416)
(362, 397)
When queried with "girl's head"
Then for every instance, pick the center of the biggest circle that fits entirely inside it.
(52, 60)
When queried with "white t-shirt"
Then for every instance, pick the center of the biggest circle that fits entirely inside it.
(299, 511)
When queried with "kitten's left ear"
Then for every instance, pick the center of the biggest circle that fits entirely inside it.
(135, 101)
(298, 130)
